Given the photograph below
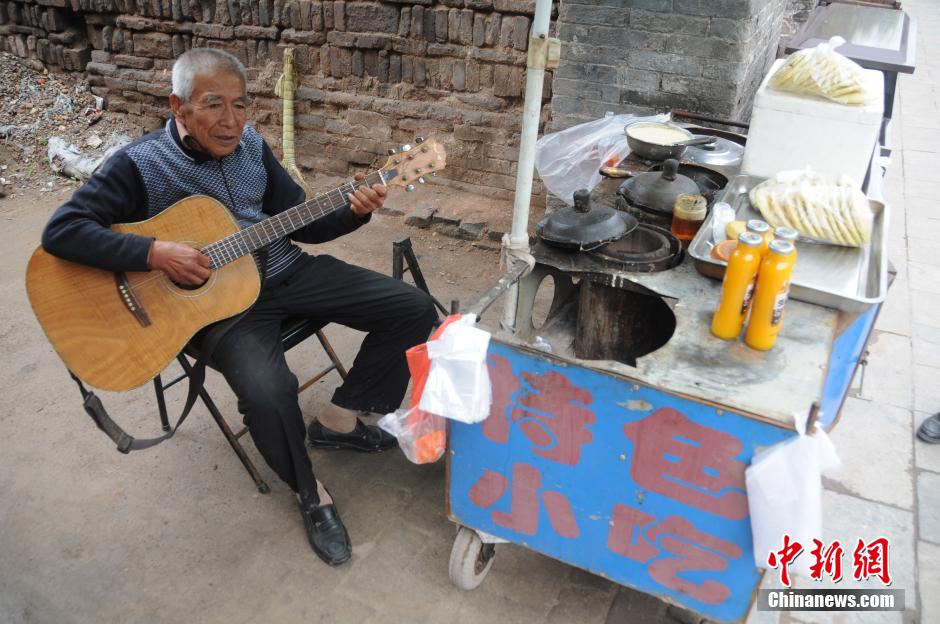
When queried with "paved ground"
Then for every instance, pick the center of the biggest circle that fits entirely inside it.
(890, 482)
(179, 534)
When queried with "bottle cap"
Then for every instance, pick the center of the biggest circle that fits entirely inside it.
(756, 225)
(786, 233)
(750, 239)
(782, 247)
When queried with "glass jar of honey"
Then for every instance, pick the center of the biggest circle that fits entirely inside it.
(688, 213)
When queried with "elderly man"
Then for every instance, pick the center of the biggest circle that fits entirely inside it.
(207, 148)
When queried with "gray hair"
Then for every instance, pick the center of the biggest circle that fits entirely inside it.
(202, 61)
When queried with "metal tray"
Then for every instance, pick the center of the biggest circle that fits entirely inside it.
(845, 278)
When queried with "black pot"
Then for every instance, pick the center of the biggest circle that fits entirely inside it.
(657, 191)
(581, 227)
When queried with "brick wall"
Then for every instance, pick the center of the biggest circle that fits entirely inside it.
(646, 56)
(797, 13)
(373, 73)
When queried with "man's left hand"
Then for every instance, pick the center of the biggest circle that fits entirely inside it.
(367, 199)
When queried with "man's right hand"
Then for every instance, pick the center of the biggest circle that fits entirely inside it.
(183, 264)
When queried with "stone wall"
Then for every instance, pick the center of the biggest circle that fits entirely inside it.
(646, 56)
(373, 73)
(797, 13)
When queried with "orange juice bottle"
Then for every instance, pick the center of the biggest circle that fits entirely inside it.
(762, 229)
(770, 296)
(787, 234)
(737, 287)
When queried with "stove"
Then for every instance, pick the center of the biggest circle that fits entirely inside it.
(647, 250)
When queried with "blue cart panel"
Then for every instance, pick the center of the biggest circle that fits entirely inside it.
(627, 481)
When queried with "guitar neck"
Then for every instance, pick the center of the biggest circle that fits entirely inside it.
(265, 232)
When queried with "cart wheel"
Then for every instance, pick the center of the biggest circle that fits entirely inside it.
(470, 559)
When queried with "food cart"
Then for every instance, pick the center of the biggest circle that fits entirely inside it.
(636, 472)
(620, 427)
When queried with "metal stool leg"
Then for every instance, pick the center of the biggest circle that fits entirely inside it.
(404, 259)
(161, 402)
(227, 432)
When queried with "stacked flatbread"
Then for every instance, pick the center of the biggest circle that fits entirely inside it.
(823, 209)
(823, 72)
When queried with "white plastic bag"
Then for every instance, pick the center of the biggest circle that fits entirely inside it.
(784, 495)
(571, 159)
(822, 208)
(458, 385)
(421, 436)
(722, 215)
(823, 72)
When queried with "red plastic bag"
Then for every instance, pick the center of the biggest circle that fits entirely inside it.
(421, 435)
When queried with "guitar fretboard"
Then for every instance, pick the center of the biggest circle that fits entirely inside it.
(260, 234)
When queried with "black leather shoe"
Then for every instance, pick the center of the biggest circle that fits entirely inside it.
(327, 535)
(364, 438)
(929, 430)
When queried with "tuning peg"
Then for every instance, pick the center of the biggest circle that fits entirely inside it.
(421, 180)
(392, 151)
(410, 188)
(406, 148)
(419, 140)
(434, 174)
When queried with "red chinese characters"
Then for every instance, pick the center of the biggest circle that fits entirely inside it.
(551, 413)
(828, 561)
(868, 560)
(504, 384)
(871, 559)
(784, 557)
(642, 537)
(523, 516)
(685, 461)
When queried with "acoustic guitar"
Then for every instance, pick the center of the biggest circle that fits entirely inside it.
(116, 331)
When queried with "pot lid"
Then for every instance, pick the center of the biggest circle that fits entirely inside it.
(722, 152)
(584, 227)
(657, 190)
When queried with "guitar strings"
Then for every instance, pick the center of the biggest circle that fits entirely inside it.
(234, 246)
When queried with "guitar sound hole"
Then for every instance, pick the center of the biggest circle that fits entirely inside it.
(188, 286)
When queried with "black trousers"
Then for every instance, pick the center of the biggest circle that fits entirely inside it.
(395, 315)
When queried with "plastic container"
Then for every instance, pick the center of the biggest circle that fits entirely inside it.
(737, 287)
(790, 131)
(770, 296)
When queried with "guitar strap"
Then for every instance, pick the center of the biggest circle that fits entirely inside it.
(197, 376)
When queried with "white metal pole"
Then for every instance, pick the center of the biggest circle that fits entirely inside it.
(531, 110)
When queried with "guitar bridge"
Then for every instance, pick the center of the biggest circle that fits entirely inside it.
(126, 293)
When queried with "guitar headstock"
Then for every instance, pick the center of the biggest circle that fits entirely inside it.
(409, 164)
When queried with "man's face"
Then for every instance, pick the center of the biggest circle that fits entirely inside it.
(215, 114)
